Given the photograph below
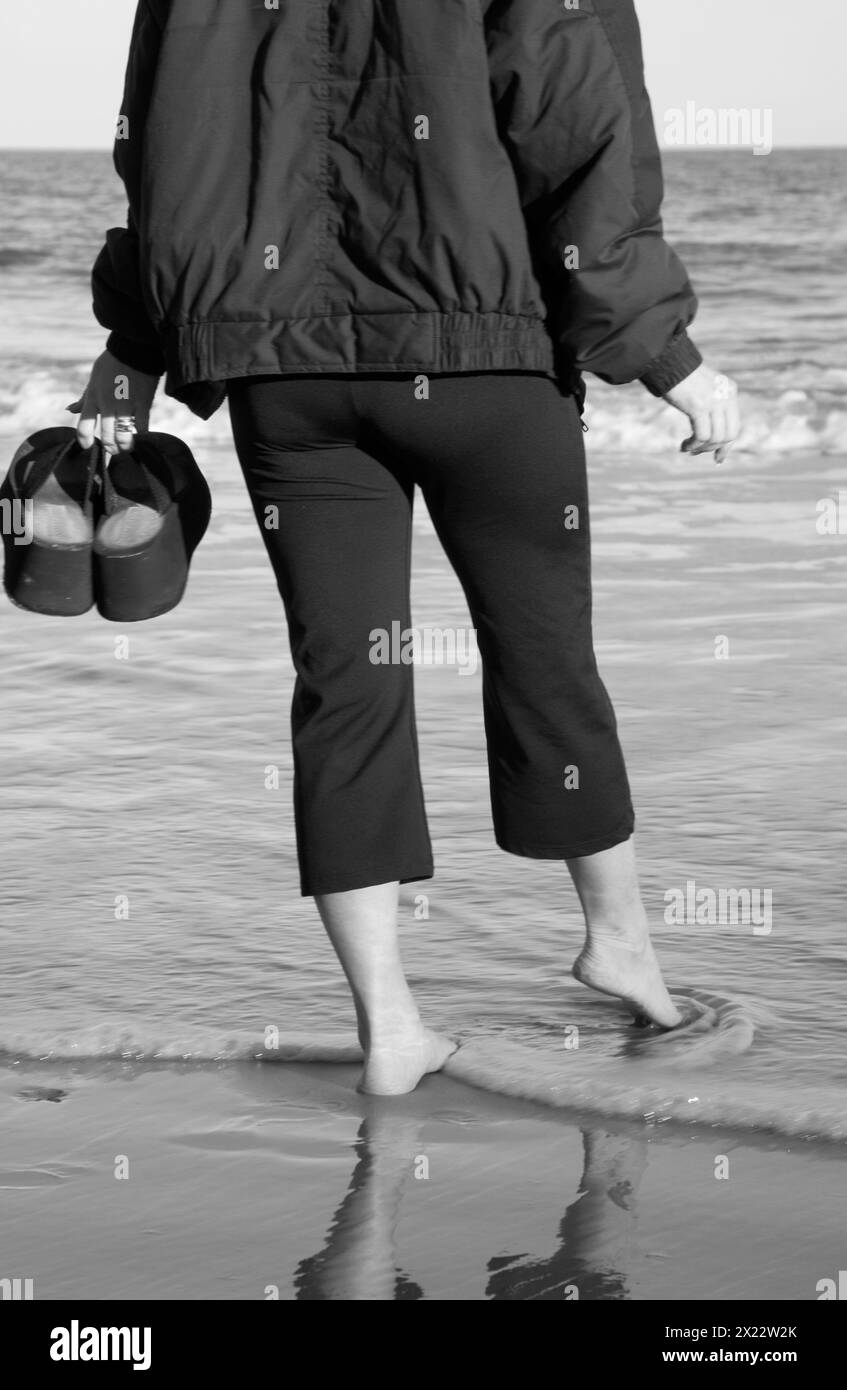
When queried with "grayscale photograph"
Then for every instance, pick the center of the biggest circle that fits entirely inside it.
(424, 520)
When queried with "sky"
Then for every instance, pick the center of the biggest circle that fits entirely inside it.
(62, 64)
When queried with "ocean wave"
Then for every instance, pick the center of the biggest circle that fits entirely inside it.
(795, 420)
(661, 1077)
(131, 1042)
(628, 421)
(605, 1088)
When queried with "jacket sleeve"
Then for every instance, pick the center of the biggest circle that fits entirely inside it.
(575, 118)
(118, 300)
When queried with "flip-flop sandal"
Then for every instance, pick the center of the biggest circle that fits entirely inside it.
(155, 510)
(47, 520)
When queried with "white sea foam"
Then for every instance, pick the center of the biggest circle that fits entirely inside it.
(663, 1077)
(626, 421)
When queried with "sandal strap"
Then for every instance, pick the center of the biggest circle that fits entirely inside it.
(93, 476)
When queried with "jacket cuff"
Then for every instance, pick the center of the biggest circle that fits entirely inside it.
(680, 358)
(142, 357)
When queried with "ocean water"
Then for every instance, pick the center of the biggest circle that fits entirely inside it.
(150, 898)
(764, 239)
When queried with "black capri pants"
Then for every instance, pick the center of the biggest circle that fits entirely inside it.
(331, 463)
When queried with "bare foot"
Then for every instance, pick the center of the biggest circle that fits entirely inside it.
(395, 1068)
(630, 971)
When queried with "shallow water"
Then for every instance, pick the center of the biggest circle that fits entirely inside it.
(145, 777)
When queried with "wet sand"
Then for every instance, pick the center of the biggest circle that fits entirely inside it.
(257, 1181)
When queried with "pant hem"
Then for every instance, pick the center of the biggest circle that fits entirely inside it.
(362, 878)
(579, 851)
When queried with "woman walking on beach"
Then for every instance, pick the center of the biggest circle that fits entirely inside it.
(393, 236)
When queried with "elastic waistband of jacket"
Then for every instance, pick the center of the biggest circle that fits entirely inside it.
(414, 341)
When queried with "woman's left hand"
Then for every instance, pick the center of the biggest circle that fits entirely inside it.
(710, 400)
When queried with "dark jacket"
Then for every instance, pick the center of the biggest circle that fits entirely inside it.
(390, 186)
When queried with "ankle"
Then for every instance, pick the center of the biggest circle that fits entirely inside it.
(386, 1025)
(627, 931)
(394, 1037)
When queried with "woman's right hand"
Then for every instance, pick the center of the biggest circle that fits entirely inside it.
(114, 392)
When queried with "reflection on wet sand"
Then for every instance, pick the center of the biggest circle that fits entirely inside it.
(358, 1260)
(595, 1238)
